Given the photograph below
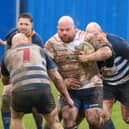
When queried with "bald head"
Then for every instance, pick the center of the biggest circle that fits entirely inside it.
(66, 19)
(19, 38)
(66, 28)
(95, 33)
(93, 27)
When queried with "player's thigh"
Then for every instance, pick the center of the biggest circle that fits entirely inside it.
(16, 115)
(109, 99)
(123, 95)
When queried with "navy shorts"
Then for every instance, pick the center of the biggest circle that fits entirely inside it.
(85, 98)
(41, 98)
(119, 92)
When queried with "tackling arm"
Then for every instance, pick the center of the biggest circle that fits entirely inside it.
(59, 83)
(101, 54)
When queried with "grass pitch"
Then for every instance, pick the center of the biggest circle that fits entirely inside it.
(116, 116)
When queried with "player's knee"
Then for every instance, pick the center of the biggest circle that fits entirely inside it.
(6, 102)
(52, 117)
(95, 117)
(53, 121)
(69, 114)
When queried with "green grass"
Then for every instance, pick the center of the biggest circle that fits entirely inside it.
(116, 116)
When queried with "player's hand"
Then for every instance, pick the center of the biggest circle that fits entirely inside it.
(83, 57)
(2, 42)
(72, 83)
(70, 102)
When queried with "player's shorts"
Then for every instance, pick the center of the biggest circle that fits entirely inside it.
(119, 92)
(85, 98)
(40, 97)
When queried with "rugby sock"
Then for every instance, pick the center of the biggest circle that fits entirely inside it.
(107, 125)
(73, 127)
(40, 127)
(38, 119)
(111, 125)
(6, 119)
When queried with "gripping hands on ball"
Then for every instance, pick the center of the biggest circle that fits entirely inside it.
(84, 48)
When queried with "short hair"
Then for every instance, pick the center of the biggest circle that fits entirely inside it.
(26, 15)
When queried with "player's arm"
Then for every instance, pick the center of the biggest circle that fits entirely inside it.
(60, 85)
(5, 76)
(102, 47)
(101, 54)
(4, 43)
(56, 77)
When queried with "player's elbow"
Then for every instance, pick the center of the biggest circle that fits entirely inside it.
(106, 53)
(5, 80)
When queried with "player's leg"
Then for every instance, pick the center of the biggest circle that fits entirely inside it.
(48, 108)
(92, 102)
(17, 121)
(124, 99)
(111, 124)
(69, 114)
(125, 113)
(53, 120)
(38, 119)
(107, 107)
(46, 126)
(5, 107)
(79, 118)
(108, 102)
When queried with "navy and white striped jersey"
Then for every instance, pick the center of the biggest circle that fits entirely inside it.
(120, 74)
(28, 65)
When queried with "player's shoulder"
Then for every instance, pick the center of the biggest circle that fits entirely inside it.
(78, 31)
(54, 39)
(11, 33)
(115, 38)
(80, 34)
(36, 35)
(117, 41)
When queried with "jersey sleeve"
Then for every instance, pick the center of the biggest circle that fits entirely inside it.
(9, 37)
(36, 39)
(120, 46)
(50, 62)
(4, 70)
